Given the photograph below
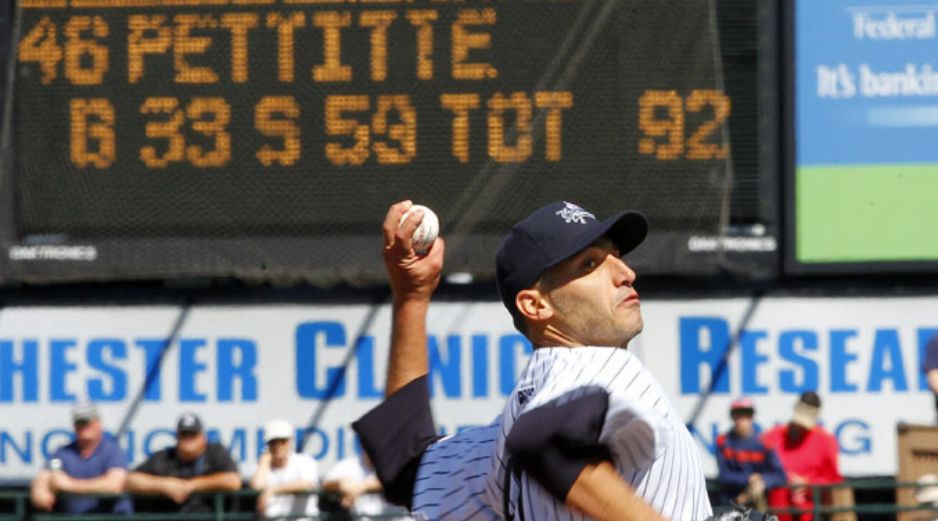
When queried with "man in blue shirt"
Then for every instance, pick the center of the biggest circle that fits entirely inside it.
(92, 464)
(747, 467)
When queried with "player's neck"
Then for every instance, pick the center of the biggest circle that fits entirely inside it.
(87, 448)
(550, 336)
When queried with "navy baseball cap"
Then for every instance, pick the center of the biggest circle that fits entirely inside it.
(189, 423)
(553, 234)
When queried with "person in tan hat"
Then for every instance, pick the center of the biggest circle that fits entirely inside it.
(808, 453)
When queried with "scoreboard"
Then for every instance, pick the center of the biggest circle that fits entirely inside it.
(266, 138)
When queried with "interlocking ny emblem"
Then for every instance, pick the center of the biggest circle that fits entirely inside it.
(574, 214)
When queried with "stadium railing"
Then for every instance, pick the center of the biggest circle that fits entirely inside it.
(239, 506)
(848, 509)
(227, 506)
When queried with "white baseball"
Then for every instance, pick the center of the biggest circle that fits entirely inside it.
(426, 232)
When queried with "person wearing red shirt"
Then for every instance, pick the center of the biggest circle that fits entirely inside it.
(809, 456)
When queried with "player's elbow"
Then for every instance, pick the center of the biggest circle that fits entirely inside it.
(556, 441)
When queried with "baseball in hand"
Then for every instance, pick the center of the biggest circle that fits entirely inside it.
(426, 232)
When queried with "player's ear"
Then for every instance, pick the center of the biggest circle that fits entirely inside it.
(533, 305)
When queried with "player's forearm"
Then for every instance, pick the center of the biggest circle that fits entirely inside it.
(110, 483)
(294, 487)
(408, 343)
(259, 480)
(736, 478)
(601, 493)
(41, 483)
(143, 483)
(216, 482)
(371, 484)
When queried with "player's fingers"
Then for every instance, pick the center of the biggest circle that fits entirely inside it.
(404, 235)
(437, 252)
(393, 219)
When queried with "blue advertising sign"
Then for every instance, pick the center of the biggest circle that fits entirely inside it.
(866, 124)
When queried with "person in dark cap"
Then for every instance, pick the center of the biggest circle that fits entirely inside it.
(587, 429)
(172, 475)
(808, 453)
(92, 464)
(747, 468)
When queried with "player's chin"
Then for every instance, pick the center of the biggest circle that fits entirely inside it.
(630, 325)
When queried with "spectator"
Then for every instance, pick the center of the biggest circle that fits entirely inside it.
(930, 366)
(354, 479)
(175, 473)
(808, 453)
(747, 467)
(92, 464)
(287, 480)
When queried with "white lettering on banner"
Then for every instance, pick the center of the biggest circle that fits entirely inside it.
(840, 82)
(241, 366)
(48, 252)
(699, 243)
(912, 81)
(835, 82)
(890, 26)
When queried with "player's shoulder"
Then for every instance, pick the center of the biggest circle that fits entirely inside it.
(826, 435)
(772, 436)
(721, 440)
(568, 367)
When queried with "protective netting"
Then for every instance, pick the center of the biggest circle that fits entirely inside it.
(262, 138)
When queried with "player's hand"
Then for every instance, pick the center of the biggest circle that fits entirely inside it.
(411, 276)
(350, 490)
(756, 484)
(43, 500)
(263, 499)
(264, 460)
(60, 482)
(799, 492)
(177, 489)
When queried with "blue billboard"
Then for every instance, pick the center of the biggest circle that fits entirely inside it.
(866, 129)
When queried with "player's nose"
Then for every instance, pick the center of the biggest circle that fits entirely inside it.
(622, 273)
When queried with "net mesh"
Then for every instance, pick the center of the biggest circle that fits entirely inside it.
(152, 138)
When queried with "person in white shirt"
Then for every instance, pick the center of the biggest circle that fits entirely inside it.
(287, 480)
(355, 480)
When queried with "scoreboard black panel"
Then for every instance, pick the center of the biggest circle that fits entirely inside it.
(266, 138)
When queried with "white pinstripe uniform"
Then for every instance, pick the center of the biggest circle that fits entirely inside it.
(464, 477)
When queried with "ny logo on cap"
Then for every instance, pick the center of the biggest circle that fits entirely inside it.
(572, 213)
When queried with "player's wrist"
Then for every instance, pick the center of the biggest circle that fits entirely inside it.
(412, 301)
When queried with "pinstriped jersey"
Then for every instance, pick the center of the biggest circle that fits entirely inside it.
(468, 476)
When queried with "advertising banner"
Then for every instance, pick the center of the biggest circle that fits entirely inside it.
(322, 366)
(866, 103)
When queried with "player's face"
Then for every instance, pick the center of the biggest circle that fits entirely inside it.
(742, 424)
(87, 432)
(279, 448)
(190, 445)
(593, 297)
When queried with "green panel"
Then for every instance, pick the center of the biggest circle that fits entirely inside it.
(866, 213)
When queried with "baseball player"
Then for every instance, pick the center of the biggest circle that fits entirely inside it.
(587, 431)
